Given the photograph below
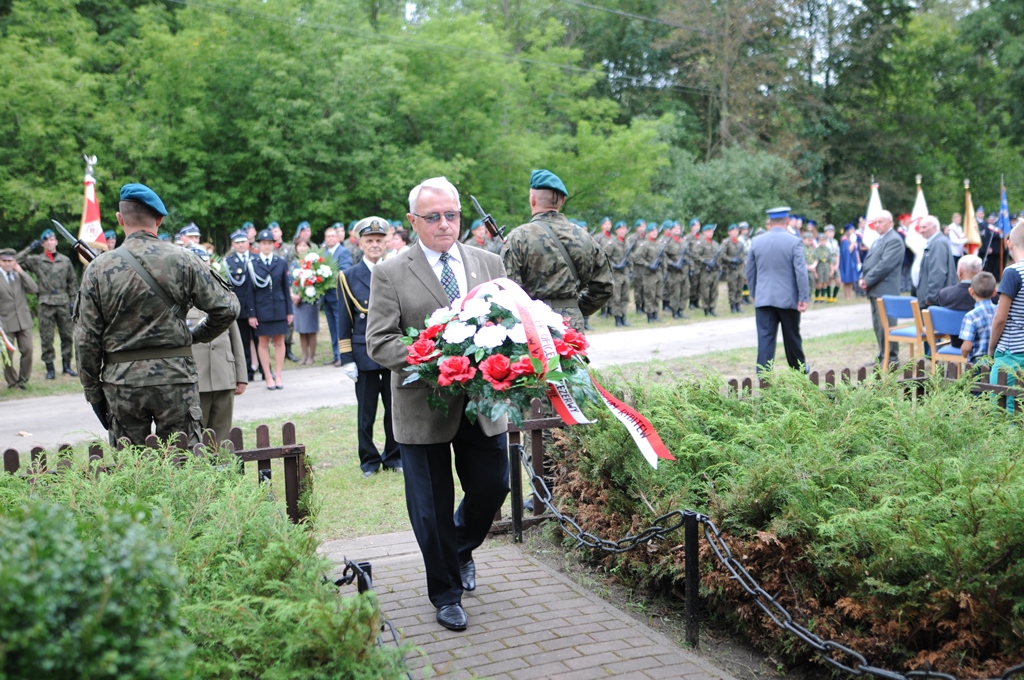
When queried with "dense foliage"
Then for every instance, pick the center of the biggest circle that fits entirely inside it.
(330, 110)
(893, 526)
(156, 570)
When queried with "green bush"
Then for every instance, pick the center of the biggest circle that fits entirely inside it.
(251, 594)
(895, 526)
(87, 597)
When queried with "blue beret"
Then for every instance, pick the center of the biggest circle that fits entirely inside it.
(273, 225)
(605, 219)
(476, 223)
(667, 224)
(337, 225)
(298, 230)
(780, 213)
(352, 224)
(694, 221)
(47, 233)
(140, 193)
(240, 235)
(582, 223)
(109, 234)
(545, 179)
(248, 225)
(733, 226)
(265, 235)
(620, 223)
(638, 223)
(189, 230)
(651, 226)
(709, 227)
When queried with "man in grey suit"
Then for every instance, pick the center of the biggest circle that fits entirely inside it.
(880, 275)
(404, 290)
(934, 268)
(777, 280)
(16, 316)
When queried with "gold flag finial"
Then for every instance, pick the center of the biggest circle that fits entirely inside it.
(967, 184)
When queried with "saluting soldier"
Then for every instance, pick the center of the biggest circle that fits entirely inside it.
(237, 264)
(733, 264)
(704, 252)
(555, 260)
(134, 345)
(373, 381)
(58, 285)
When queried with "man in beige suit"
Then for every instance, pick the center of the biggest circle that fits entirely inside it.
(223, 375)
(16, 317)
(404, 290)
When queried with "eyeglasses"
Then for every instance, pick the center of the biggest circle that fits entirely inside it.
(434, 218)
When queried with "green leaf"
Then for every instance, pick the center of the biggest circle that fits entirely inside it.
(436, 403)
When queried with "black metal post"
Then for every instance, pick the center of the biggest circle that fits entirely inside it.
(691, 574)
(515, 473)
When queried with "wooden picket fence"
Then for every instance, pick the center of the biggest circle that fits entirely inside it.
(297, 477)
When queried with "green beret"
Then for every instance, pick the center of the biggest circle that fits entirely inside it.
(545, 179)
(733, 226)
(667, 224)
(47, 233)
(620, 223)
(651, 226)
(140, 193)
(638, 223)
(710, 226)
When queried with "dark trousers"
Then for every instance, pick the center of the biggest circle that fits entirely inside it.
(331, 311)
(768, 320)
(245, 330)
(371, 386)
(448, 538)
(876, 323)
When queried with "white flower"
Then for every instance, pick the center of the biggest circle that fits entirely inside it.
(457, 332)
(312, 257)
(506, 301)
(545, 315)
(517, 334)
(441, 315)
(474, 309)
(490, 336)
(324, 271)
(310, 291)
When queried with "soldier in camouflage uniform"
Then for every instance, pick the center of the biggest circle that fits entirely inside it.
(676, 271)
(648, 259)
(809, 258)
(823, 268)
(618, 258)
(634, 242)
(733, 265)
(135, 348)
(58, 286)
(703, 252)
(533, 259)
(605, 240)
(695, 265)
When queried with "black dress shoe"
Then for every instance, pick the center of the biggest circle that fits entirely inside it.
(369, 473)
(452, 617)
(467, 570)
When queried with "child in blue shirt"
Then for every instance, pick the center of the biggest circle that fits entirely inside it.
(976, 327)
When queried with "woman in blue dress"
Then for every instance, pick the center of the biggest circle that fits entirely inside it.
(270, 306)
(849, 260)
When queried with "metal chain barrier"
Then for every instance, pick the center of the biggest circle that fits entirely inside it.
(830, 652)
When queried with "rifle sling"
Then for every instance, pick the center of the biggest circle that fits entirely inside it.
(564, 252)
(175, 308)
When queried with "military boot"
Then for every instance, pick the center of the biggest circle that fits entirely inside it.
(711, 311)
(49, 371)
(586, 324)
(624, 321)
(288, 353)
(68, 370)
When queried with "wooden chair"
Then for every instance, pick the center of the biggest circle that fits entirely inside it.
(940, 324)
(901, 307)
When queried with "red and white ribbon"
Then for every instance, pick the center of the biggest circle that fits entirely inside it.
(542, 347)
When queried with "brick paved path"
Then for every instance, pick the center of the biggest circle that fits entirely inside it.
(525, 620)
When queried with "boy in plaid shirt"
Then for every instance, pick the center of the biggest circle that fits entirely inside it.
(977, 324)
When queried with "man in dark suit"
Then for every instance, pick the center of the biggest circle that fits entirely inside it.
(373, 381)
(16, 317)
(778, 284)
(958, 296)
(880, 275)
(237, 274)
(332, 307)
(404, 290)
(933, 270)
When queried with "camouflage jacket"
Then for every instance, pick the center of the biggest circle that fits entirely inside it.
(536, 264)
(672, 253)
(117, 311)
(615, 249)
(702, 251)
(649, 253)
(732, 256)
(57, 282)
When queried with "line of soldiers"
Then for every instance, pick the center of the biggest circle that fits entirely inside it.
(669, 271)
(821, 252)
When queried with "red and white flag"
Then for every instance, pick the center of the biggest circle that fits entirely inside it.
(91, 230)
(915, 241)
(874, 208)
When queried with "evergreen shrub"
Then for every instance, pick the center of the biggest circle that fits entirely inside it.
(894, 526)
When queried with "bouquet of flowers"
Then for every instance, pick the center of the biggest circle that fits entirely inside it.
(313, 276)
(218, 265)
(479, 348)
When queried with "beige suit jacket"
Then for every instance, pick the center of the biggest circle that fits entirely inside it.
(403, 293)
(13, 303)
(220, 363)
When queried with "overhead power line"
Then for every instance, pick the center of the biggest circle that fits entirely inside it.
(640, 17)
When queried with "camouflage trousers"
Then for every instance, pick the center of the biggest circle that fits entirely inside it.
(677, 283)
(620, 293)
(59, 316)
(651, 301)
(735, 278)
(708, 288)
(694, 277)
(638, 287)
(135, 410)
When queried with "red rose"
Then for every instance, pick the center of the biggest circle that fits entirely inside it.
(454, 370)
(421, 351)
(431, 333)
(497, 370)
(524, 366)
(564, 350)
(576, 340)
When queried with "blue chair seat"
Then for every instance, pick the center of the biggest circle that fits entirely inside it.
(947, 349)
(904, 332)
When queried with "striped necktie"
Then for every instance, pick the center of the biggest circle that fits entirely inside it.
(448, 280)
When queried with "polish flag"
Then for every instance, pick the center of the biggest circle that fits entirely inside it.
(874, 208)
(91, 230)
(915, 241)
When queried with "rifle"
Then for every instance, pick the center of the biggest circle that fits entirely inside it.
(625, 258)
(657, 260)
(78, 245)
(712, 264)
(492, 227)
(678, 264)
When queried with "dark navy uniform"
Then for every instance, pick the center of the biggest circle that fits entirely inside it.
(271, 302)
(374, 380)
(238, 276)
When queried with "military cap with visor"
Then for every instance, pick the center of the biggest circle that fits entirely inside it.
(779, 213)
(189, 230)
(369, 226)
(265, 235)
(240, 235)
(7, 252)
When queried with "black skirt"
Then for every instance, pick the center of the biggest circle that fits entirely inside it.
(271, 328)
